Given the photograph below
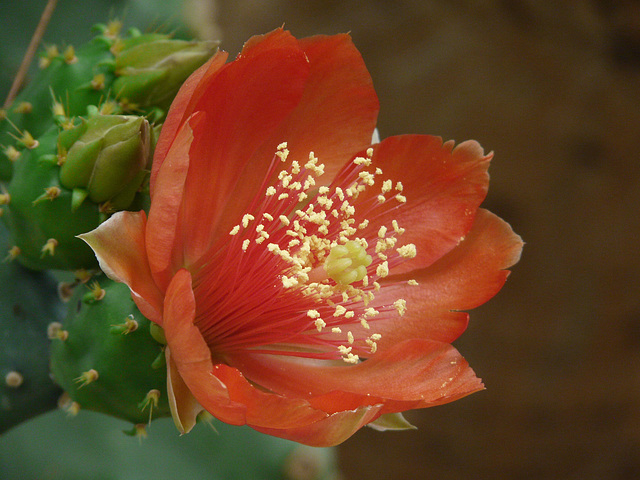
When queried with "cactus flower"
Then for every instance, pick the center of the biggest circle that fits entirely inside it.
(308, 282)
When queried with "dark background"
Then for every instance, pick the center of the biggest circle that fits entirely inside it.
(553, 88)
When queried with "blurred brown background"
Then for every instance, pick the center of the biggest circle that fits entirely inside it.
(554, 89)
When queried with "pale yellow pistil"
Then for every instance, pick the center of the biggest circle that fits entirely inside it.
(347, 263)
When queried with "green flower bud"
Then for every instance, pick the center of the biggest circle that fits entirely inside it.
(66, 138)
(108, 159)
(151, 68)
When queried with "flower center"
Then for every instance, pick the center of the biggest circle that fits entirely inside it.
(306, 265)
(347, 263)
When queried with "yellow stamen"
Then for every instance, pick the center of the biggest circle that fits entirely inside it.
(322, 257)
(401, 306)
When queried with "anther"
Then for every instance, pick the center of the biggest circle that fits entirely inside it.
(401, 306)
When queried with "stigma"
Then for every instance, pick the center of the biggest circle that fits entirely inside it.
(347, 263)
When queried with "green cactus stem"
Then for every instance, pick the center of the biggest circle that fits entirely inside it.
(70, 182)
(229, 452)
(39, 210)
(28, 304)
(104, 359)
(131, 73)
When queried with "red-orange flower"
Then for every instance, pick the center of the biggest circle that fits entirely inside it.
(307, 282)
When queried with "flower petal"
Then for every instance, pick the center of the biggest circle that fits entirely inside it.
(443, 185)
(182, 107)
(335, 116)
(412, 374)
(465, 278)
(184, 406)
(330, 431)
(265, 409)
(192, 357)
(119, 245)
(338, 111)
(162, 238)
(245, 102)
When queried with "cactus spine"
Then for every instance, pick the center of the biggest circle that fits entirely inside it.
(107, 360)
(76, 146)
(133, 73)
(28, 305)
(77, 158)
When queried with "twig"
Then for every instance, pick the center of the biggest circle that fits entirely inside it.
(31, 51)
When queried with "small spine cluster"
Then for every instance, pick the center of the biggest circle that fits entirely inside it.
(105, 345)
(76, 146)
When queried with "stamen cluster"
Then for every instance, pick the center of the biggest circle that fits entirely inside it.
(324, 264)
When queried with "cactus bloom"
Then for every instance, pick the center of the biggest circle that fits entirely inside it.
(307, 282)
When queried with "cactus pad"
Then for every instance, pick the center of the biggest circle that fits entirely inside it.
(106, 359)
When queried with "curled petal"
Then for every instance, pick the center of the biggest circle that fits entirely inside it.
(119, 245)
(443, 186)
(163, 240)
(337, 113)
(412, 374)
(184, 406)
(465, 278)
(191, 356)
(245, 102)
(330, 431)
(182, 107)
(265, 409)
